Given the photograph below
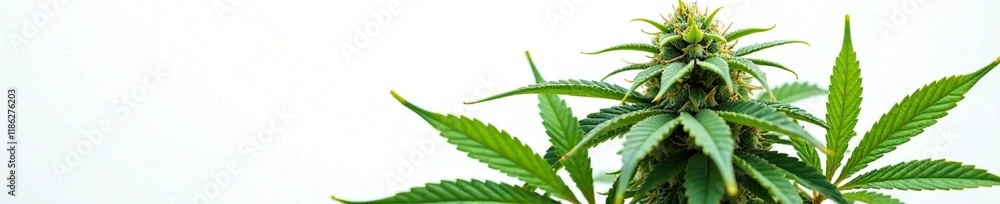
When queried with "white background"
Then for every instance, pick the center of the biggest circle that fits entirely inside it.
(150, 101)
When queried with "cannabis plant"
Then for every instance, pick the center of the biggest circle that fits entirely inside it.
(695, 134)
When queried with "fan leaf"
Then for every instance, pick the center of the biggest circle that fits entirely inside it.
(605, 114)
(668, 168)
(795, 113)
(751, 68)
(756, 189)
(871, 197)
(702, 181)
(794, 91)
(650, 48)
(775, 138)
(612, 191)
(564, 131)
(642, 78)
(712, 134)
(674, 71)
(639, 141)
(769, 176)
(731, 36)
(844, 103)
(761, 46)
(583, 88)
(805, 151)
(769, 63)
(910, 116)
(622, 120)
(802, 173)
(766, 118)
(720, 67)
(462, 191)
(924, 175)
(624, 69)
(495, 148)
(658, 25)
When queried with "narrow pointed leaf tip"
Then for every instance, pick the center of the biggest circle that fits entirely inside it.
(398, 98)
(659, 26)
(534, 70)
(496, 148)
(711, 18)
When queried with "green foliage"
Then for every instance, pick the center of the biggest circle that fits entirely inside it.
(924, 175)
(666, 39)
(806, 152)
(871, 197)
(712, 134)
(632, 47)
(659, 26)
(674, 71)
(844, 103)
(625, 69)
(564, 132)
(605, 127)
(584, 88)
(669, 168)
(761, 46)
(757, 190)
(769, 177)
(910, 116)
(643, 77)
(695, 82)
(904, 120)
(720, 67)
(769, 63)
(795, 91)
(495, 148)
(640, 140)
(702, 182)
(799, 171)
(795, 113)
(736, 34)
(751, 68)
(766, 118)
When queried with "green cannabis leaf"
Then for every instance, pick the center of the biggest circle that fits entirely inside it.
(564, 132)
